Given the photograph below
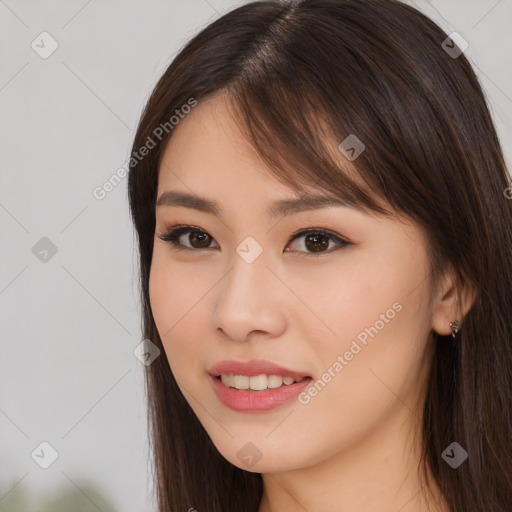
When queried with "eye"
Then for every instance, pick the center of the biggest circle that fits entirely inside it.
(199, 238)
(316, 240)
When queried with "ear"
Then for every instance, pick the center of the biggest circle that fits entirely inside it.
(453, 301)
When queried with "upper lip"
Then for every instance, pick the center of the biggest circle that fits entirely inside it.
(253, 368)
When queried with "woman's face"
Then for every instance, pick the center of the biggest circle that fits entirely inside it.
(353, 317)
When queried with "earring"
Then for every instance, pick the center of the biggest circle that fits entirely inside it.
(455, 327)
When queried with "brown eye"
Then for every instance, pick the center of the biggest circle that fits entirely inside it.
(197, 238)
(202, 239)
(317, 241)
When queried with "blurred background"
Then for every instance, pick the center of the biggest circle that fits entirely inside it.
(74, 77)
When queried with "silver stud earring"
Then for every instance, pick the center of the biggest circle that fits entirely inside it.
(455, 327)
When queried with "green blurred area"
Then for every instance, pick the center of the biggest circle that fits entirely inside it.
(86, 498)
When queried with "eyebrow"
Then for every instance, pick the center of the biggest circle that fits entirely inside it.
(278, 208)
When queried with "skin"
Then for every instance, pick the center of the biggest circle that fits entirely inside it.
(355, 445)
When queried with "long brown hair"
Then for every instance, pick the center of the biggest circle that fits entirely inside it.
(297, 74)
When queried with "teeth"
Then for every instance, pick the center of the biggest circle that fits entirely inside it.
(241, 381)
(257, 382)
(274, 381)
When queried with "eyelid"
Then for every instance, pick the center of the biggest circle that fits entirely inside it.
(173, 233)
(338, 239)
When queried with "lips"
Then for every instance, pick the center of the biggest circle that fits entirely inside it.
(248, 401)
(253, 368)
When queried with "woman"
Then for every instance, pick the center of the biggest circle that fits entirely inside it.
(325, 238)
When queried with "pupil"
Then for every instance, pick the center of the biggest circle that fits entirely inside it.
(315, 238)
(202, 242)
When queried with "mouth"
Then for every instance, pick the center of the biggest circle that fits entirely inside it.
(258, 383)
(257, 400)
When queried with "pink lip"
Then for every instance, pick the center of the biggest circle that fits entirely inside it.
(252, 368)
(256, 401)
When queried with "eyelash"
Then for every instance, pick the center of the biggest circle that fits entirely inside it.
(174, 233)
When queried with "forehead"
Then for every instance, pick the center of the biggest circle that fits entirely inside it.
(209, 137)
(208, 156)
(209, 144)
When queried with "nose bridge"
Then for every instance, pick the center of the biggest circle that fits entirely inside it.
(249, 271)
(245, 300)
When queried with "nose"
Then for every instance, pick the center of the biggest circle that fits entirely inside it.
(250, 301)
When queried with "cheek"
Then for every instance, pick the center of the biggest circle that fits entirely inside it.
(175, 304)
(344, 301)
(375, 350)
(379, 296)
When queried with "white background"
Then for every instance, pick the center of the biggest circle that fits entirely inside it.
(69, 326)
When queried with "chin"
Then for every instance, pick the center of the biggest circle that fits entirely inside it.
(260, 456)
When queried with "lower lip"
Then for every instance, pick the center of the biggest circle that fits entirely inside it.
(256, 401)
